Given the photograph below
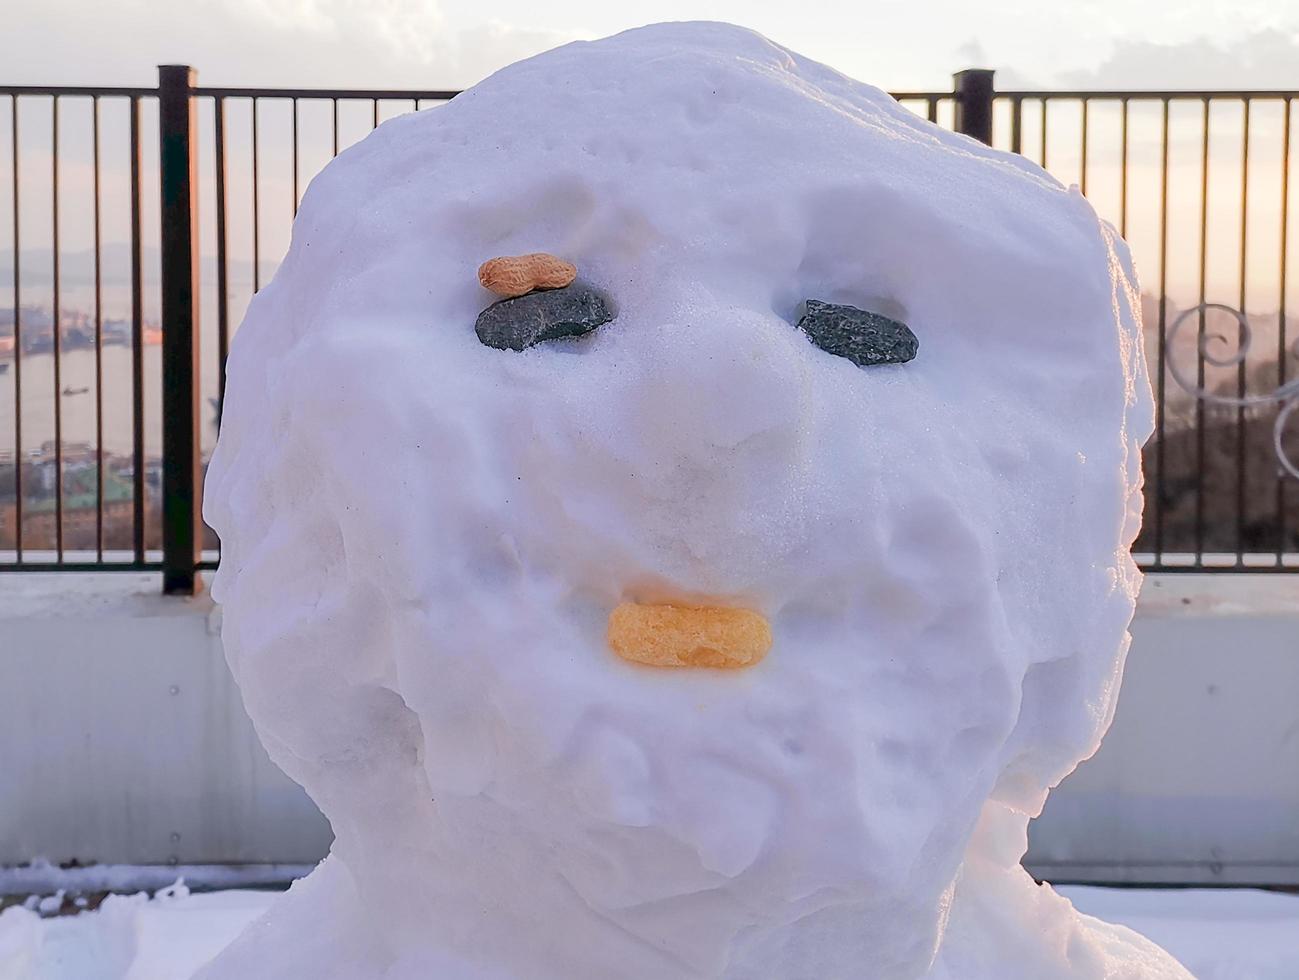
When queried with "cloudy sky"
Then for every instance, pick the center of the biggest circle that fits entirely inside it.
(452, 43)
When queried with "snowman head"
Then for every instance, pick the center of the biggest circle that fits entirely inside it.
(425, 537)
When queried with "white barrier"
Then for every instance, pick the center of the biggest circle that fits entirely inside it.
(1198, 778)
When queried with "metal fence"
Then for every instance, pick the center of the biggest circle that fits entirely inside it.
(114, 345)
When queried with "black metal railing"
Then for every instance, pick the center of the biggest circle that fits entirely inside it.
(1212, 238)
(113, 481)
(222, 104)
(50, 462)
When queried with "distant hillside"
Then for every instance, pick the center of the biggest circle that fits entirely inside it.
(1221, 488)
(78, 268)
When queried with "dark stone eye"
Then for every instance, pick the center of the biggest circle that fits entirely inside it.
(863, 337)
(521, 322)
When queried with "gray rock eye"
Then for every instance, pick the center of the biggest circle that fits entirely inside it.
(521, 322)
(863, 337)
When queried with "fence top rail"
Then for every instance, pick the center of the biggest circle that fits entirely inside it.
(443, 95)
(1123, 95)
(90, 90)
(223, 92)
(921, 96)
(432, 95)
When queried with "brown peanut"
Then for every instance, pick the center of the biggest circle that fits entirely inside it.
(688, 636)
(514, 275)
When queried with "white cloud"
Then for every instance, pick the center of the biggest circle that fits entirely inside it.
(344, 43)
(1265, 59)
(452, 43)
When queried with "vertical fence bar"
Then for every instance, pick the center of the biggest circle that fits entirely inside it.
(1281, 352)
(974, 92)
(335, 102)
(137, 340)
(99, 347)
(223, 307)
(178, 180)
(58, 333)
(1241, 376)
(1162, 370)
(18, 347)
(1082, 152)
(1017, 125)
(257, 242)
(374, 114)
(1123, 171)
(1199, 346)
(1042, 155)
(222, 271)
(295, 157)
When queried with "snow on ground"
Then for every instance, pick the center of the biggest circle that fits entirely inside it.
(1234, 934)
(129, 937)
(1218, 934)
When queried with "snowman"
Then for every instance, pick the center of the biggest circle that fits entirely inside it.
(675, 509)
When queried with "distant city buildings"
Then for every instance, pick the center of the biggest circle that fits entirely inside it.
(82, 517)
(36, 327)
(81, 521)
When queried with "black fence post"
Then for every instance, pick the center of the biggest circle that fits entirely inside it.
(178, 179)
(974, 92)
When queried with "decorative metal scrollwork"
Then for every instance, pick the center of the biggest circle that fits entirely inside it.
(1287, 395)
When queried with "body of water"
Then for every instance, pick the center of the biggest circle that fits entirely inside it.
(76, 395)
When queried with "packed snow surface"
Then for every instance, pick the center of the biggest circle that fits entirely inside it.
(424, 537)
(1220, 934)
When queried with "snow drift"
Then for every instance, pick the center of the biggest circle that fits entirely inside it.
(423, 536)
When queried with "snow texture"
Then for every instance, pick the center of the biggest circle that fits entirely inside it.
(423, 537)
(129, 937)
(1220, 933)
